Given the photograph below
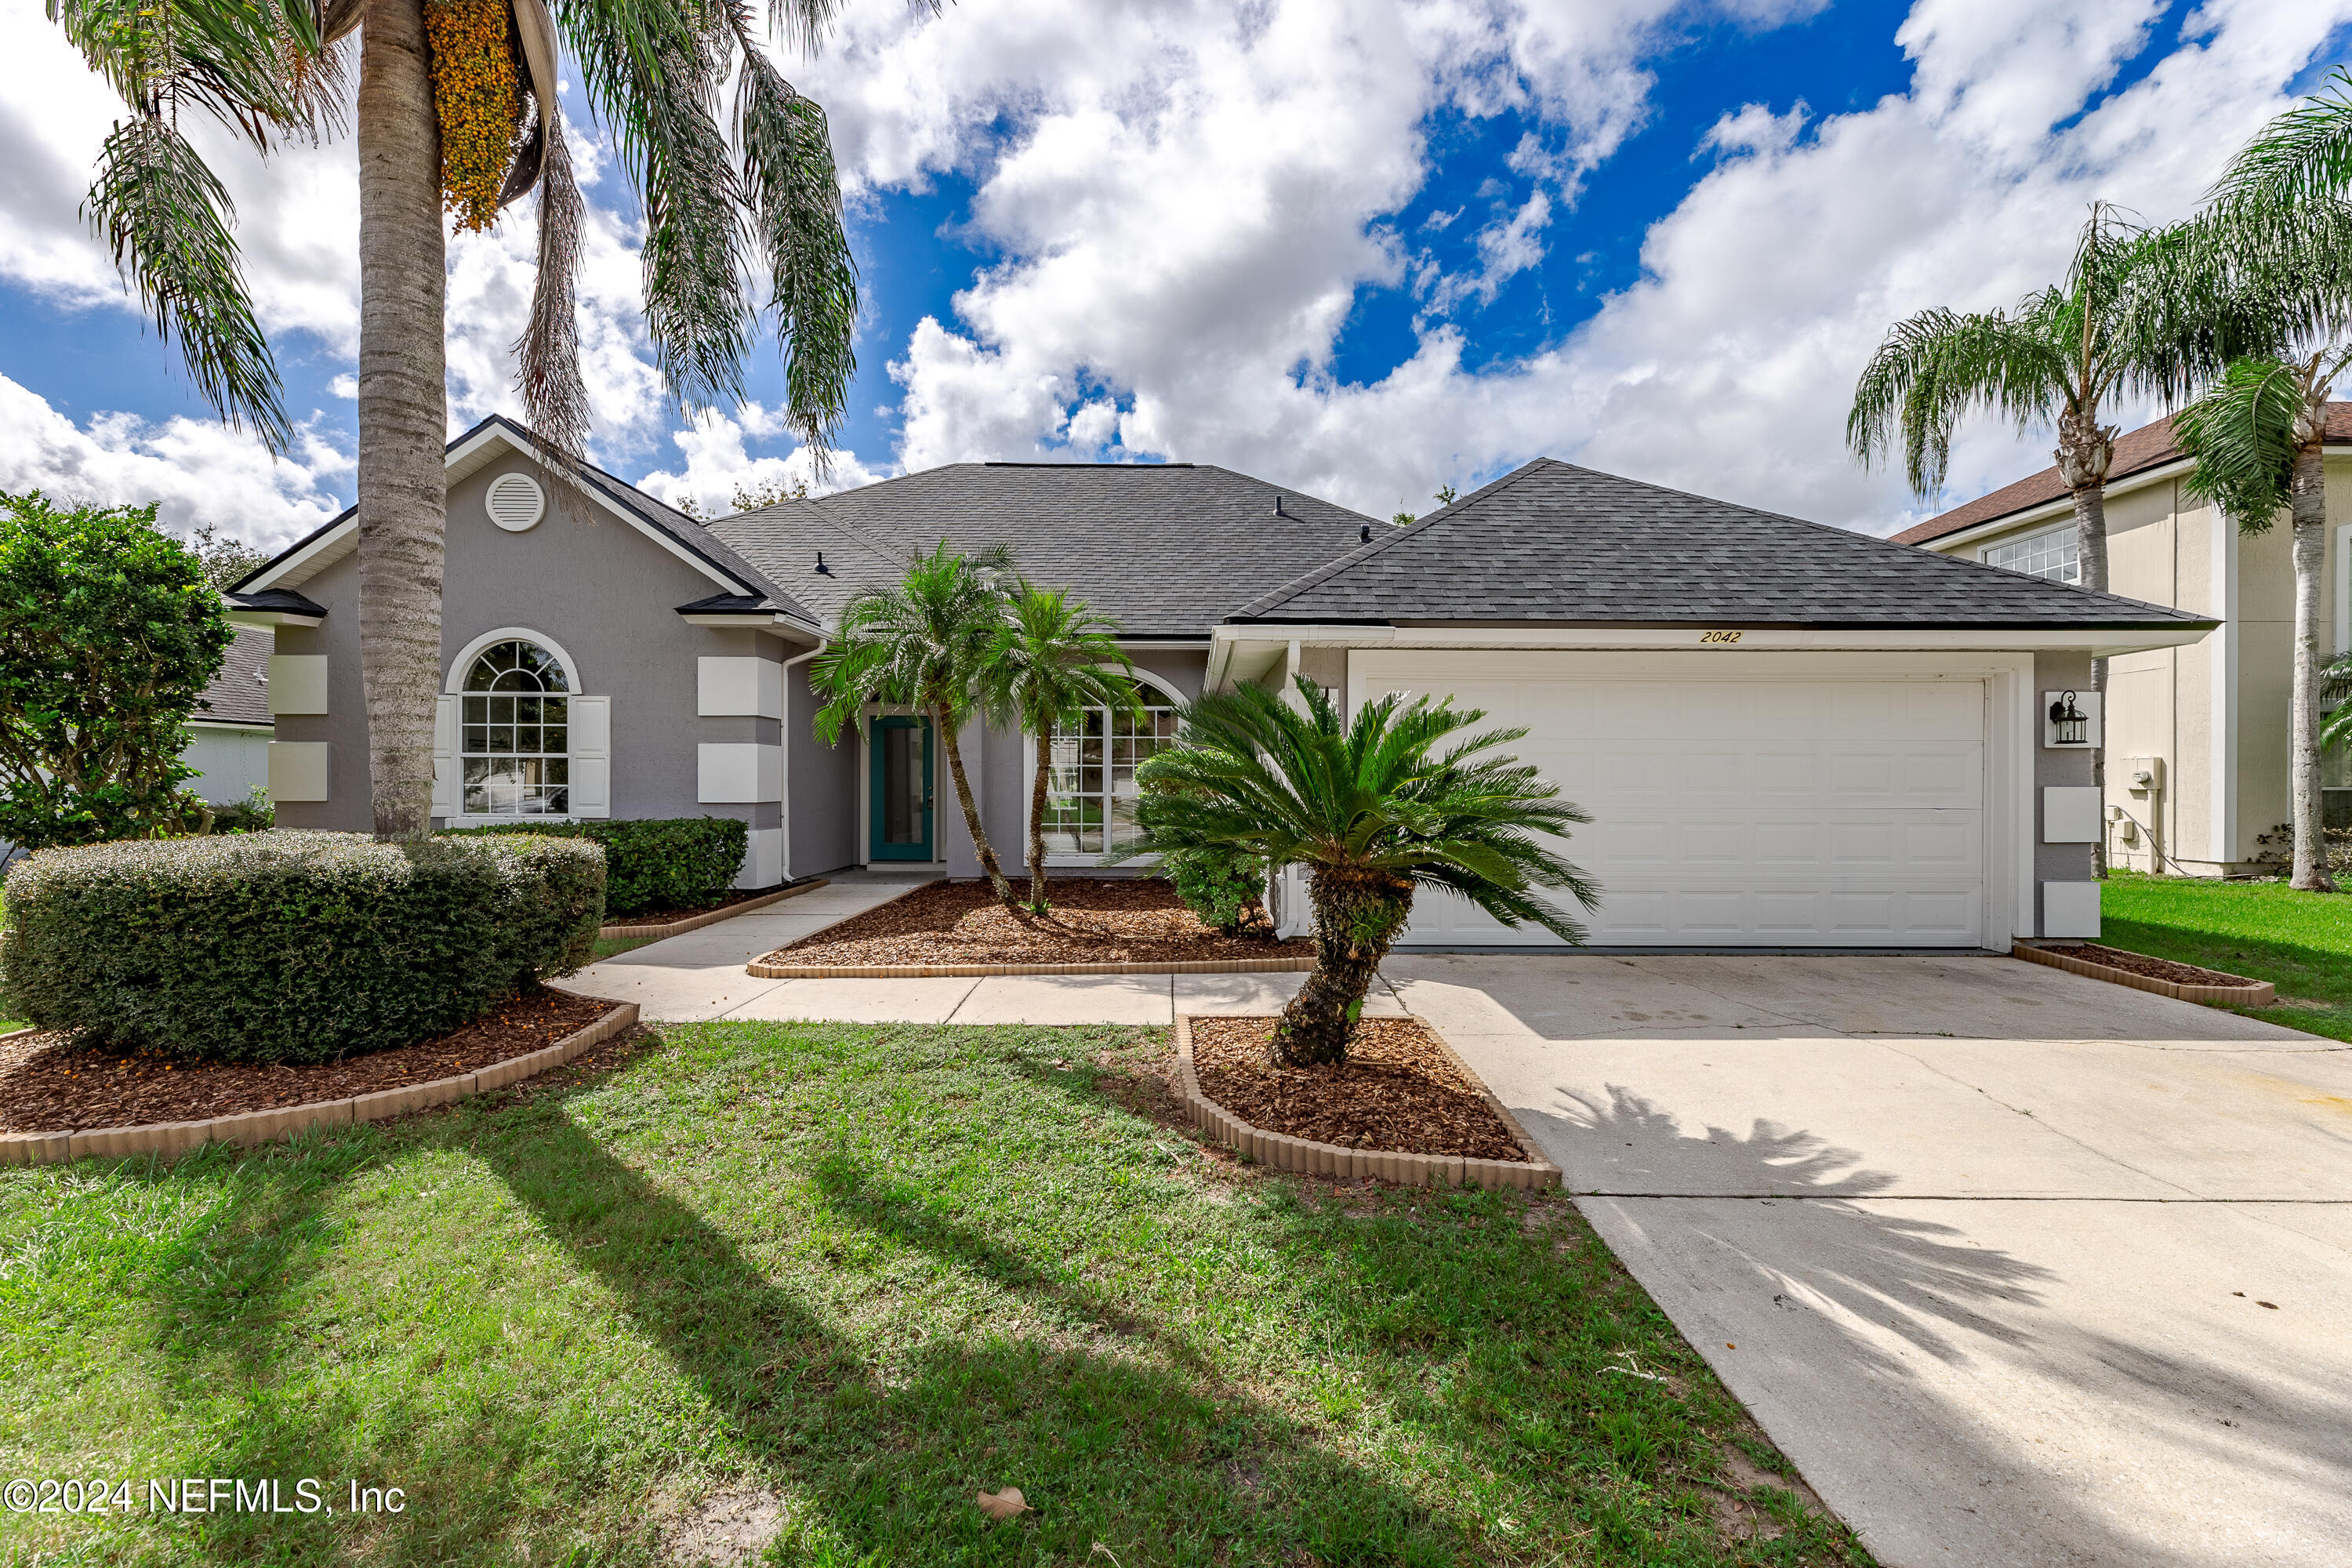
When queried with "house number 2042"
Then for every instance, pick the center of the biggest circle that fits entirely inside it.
(1718, 636)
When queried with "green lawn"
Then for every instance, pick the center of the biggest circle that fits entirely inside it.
(876, 1271)
(2301, 942)
(610, 946)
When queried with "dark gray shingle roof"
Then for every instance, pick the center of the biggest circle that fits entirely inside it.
(1168, 549)
(239, 694)
(1553, 544)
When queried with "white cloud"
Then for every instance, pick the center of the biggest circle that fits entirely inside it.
(1186, 211)
(718, 464)
(196, 471)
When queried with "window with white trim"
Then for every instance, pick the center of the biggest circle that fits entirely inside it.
(1090, 790)
(515, 732)
(2054, 553)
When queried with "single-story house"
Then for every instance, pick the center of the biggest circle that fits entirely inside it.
(2196, 733)
(1787, 735)
(231, 728)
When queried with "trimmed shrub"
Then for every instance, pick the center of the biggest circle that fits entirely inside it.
(290, 946)
(657, 863)
(1226, 889)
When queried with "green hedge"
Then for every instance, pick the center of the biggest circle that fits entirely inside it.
(658, 863)
(289, 946)
(1225, 887)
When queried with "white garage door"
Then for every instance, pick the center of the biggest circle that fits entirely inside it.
(1806, 812)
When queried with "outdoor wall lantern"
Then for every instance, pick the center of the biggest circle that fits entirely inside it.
(2069, 725)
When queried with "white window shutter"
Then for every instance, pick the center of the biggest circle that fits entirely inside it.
(444, 756)
(592, 756)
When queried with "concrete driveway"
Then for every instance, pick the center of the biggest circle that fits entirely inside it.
(2019, 1268)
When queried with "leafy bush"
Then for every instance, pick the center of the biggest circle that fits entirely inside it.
(289, 946)
(657, 863)
(254, 814)
(1223, 887)
(109, 633)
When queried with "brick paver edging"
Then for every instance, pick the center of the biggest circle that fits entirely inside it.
(918, 971)
(261, 1126)
(695, 923)
(2245, 993)
(1285, 1152)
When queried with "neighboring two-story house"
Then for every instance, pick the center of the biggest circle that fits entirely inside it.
(2196, 735)
(1786, 735)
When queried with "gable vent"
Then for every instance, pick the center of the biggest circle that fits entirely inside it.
(516, 503)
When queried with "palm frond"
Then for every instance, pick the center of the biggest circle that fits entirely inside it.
(1405, 789)
(922, 642)
(794, 197)
(1935, 368)
(165, 216)
(2304, 155)
(2335, 692)
(651, 70)
(2242, 437)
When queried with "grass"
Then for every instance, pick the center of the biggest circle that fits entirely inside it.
(2301, 942)
(873, 1270)
(613, 946)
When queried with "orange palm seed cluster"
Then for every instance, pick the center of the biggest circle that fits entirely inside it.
(477, 98)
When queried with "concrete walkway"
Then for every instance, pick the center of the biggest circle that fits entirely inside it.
(2018, 1267)
(701, 975)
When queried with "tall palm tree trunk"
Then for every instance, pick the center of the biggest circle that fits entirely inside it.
(2307, 503)
(1044, 730)
(403, 413)
(942, 718)
(2087, 449)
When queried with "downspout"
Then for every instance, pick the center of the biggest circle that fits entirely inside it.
(784, 819)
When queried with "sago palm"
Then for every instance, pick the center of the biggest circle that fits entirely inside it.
(457, 103)
(922, 643)
(1400, 800)
(1052, 658)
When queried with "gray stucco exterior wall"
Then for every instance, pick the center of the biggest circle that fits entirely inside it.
(583, 580)
(819, 785)
(2057, 671)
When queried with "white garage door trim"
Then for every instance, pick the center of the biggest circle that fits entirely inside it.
(2005, 794)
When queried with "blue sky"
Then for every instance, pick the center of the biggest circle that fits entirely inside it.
(1361, 249)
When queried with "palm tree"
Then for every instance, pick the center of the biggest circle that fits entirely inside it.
(457, 101)
(2257, 439)
(2275, 238)
(922, 643)
(2061, 358)
(1375, 810)
(1053, 657)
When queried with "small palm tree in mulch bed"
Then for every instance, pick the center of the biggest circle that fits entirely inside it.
(1375, 810)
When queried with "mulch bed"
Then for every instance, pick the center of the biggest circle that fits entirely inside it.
(2153, 968)
(1094, 920)
(49, 1084)
(664, 917)
(1398, 1091)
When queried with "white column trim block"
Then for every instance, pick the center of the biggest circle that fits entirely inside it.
(2070, 910)
(592, 756)
(298, 683)
(298, 771)
(764, 859)
(738, 772)
(2070, 813)
(738, 686)
(444, 756)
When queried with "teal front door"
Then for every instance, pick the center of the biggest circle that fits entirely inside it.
(902, 789)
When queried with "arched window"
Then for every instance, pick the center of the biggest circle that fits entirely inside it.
(1091, 792)
(516, 742)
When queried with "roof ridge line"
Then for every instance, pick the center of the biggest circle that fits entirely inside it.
(1372, 552)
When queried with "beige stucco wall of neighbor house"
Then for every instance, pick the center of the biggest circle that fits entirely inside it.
(2169, 549)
